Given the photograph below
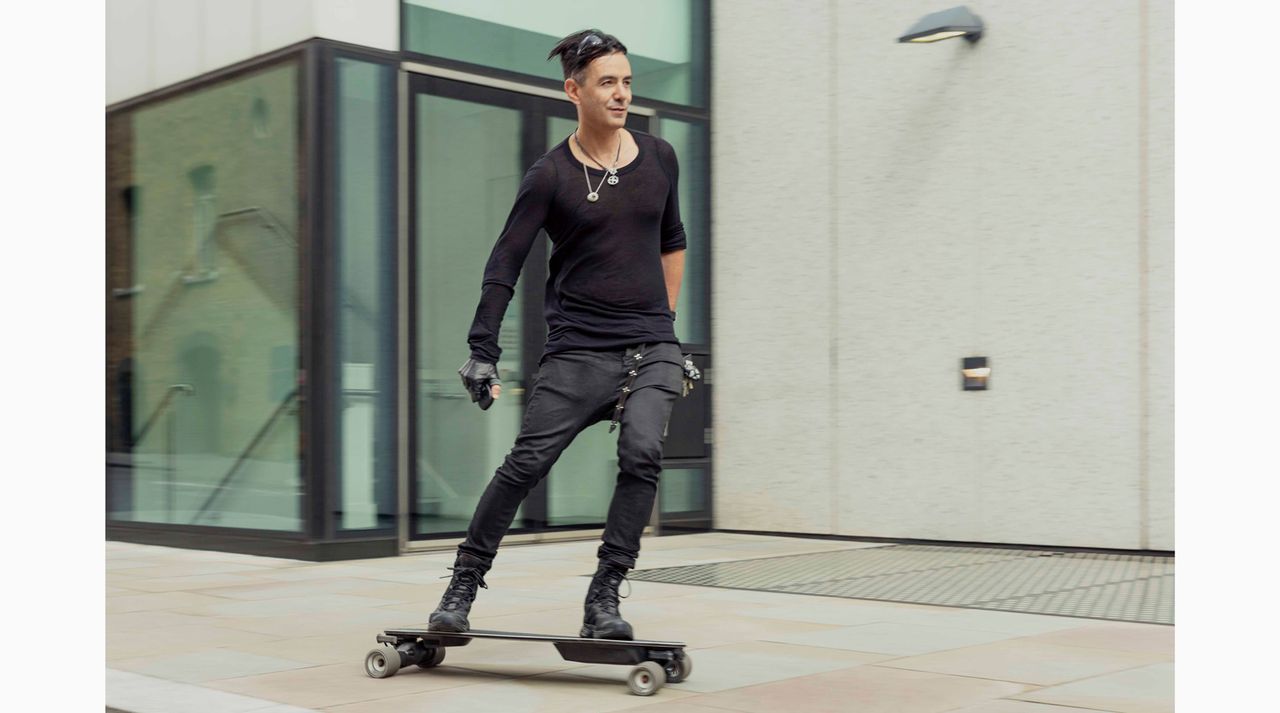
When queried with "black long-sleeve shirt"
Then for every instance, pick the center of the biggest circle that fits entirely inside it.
(606, 288)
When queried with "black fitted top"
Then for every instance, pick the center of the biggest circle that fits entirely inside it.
(605, 287)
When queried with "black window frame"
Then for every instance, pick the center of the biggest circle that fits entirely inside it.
(317, 539)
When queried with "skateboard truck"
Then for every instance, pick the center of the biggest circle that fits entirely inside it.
(654, 663)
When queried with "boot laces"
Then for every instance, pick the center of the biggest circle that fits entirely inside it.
(607, 595)
(463, 587)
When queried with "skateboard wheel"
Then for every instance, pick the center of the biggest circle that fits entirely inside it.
(646, 678)
(432, 658)
(678, 669)
(382, 662)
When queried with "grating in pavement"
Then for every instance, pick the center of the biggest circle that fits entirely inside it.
(1118, 587)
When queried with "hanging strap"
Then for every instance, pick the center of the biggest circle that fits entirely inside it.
(626, 389)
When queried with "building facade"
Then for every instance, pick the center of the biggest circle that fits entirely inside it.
(301, 195)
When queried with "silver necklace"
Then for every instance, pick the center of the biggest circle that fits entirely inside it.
(611, 172)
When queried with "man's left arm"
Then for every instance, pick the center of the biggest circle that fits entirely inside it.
(673, 240)
(673, 272)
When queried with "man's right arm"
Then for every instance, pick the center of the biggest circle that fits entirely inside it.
(532, 205)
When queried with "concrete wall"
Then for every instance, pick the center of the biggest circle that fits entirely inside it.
(155, 43)
(883, 210)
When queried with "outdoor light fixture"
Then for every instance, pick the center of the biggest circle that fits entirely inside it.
(976, 373)
(956, 22)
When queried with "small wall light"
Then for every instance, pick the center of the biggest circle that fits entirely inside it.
(956, 22)
(976, 373)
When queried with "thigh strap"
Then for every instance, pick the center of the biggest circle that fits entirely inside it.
(626, 389)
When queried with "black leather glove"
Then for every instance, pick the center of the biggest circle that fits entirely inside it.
(477, 378)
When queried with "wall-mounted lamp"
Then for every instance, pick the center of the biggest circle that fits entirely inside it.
(956, 22)
(976, 373)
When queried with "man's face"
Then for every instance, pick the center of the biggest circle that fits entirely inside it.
(605, 93)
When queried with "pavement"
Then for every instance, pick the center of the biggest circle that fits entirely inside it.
(214, 632)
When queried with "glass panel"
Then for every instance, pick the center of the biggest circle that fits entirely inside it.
(683, 490)
(469, 169)
(690, 141)
(581, 483)
(366, 247)
(664, 38)
(206, 393)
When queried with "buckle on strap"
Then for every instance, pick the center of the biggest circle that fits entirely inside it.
(632, 373)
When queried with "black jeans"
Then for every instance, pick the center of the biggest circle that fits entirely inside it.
(573, 390)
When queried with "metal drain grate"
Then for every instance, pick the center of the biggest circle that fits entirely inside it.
(1119, 587)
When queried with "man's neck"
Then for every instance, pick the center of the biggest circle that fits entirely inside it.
(602, 143)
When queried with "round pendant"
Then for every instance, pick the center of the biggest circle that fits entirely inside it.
(593, 196)
(613, 180)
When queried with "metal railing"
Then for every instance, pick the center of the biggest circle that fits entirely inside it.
(170, 462)
(193, 273)
(164, 404)
(244, 455)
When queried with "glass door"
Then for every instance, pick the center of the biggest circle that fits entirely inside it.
(469, 148)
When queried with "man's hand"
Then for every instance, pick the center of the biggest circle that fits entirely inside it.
(480, 379)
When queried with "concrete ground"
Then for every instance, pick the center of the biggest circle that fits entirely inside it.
(225, 633)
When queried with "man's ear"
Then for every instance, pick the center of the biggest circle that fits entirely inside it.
(572, 89)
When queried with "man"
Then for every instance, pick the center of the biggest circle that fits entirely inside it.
(607, 198)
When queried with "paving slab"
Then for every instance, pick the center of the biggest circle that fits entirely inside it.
(892, 638)
(208, 665)
(729, 666)
(1147, 689)
(865, 689)
(134, 693)
(335, 685)
(1027, 662)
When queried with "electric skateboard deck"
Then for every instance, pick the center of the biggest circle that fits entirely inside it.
(654, 663)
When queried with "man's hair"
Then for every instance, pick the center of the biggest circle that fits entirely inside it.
(577, 50)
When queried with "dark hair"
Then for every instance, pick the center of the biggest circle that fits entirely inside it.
(577, 50)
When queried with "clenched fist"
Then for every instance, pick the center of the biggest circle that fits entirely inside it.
(481, 381)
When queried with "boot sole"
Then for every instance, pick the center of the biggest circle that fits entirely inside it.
(449, 627)
(590, 632)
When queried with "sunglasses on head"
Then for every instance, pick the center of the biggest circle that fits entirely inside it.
(588, 42)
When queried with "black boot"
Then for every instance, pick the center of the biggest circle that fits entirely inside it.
(451, 615)
(601, 619)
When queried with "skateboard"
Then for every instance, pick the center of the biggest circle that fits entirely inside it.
(655, 663)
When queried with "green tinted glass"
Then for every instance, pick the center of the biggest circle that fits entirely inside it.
(365, 248)
(665, 39)
(691, 144)
(204, 307)
(683, 490)
(468, 171)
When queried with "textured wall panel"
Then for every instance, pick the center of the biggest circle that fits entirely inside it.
(154, 43)
(1062, 289)
(907, 123)
(1160, 262)
(178, 40)
(772, 219)
(128, 26)
(230, 31)
(360, 22)
(281, 23)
